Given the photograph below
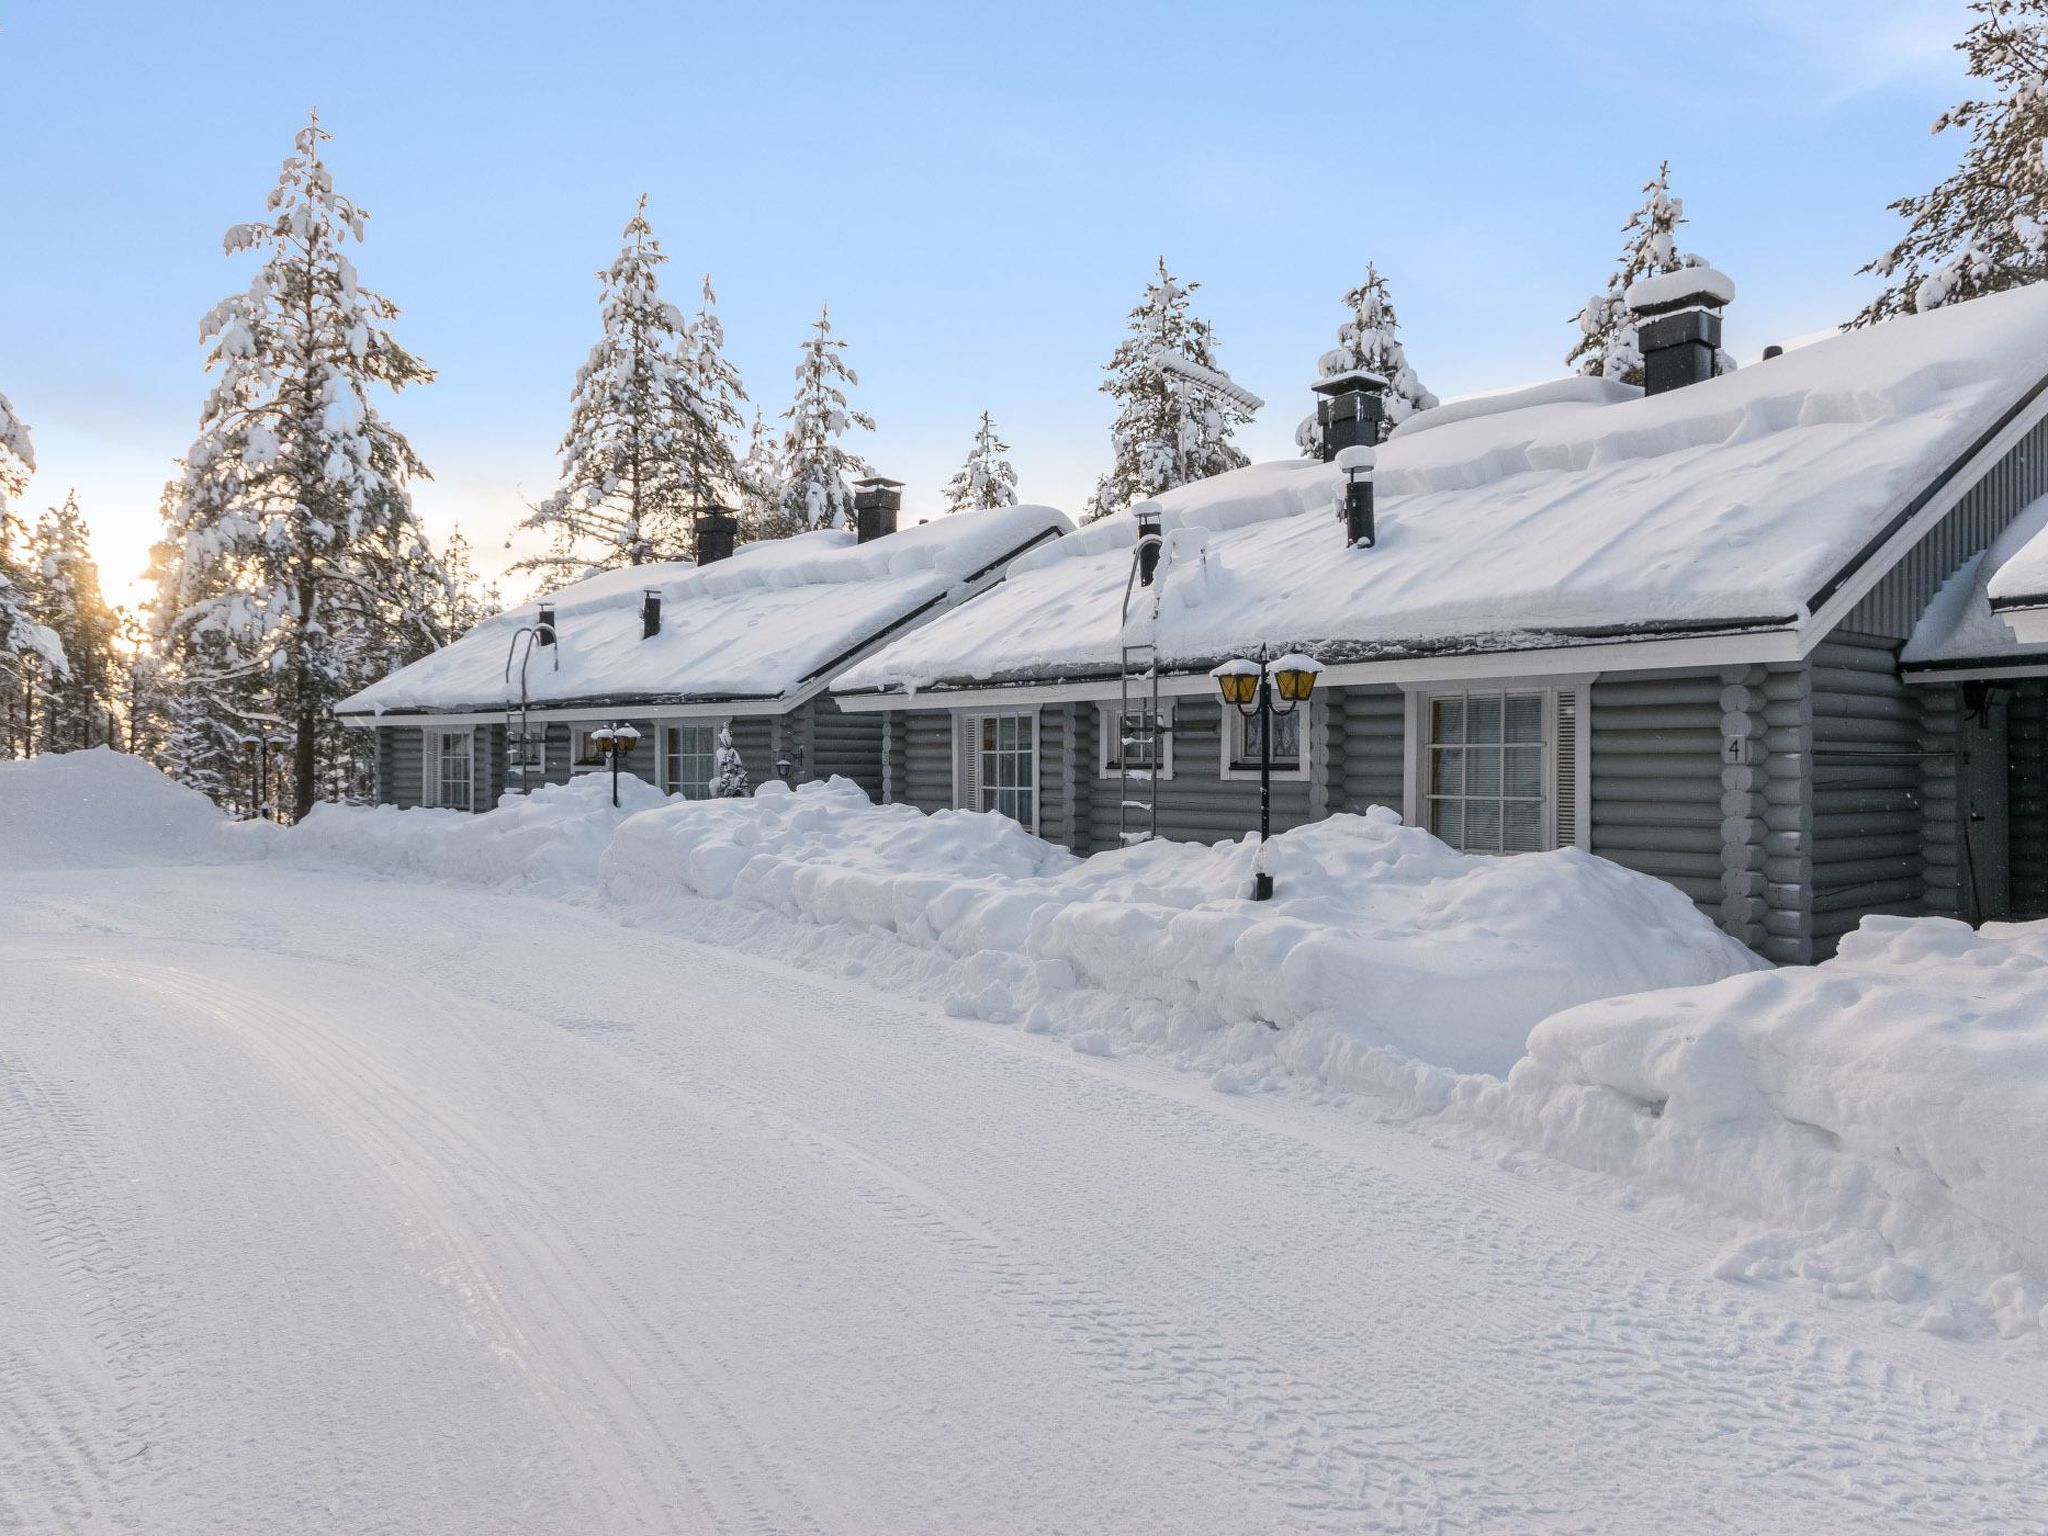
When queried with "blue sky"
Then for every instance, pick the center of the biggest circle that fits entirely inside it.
(978, 191)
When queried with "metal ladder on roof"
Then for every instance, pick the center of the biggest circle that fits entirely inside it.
(1141, 729)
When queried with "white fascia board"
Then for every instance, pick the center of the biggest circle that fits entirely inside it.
(1829, 616)
(733, 710)
(1644, 655)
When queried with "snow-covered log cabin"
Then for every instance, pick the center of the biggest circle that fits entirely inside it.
(745, 641)
(1682, 627)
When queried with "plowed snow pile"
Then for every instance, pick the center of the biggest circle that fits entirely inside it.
(1379, 934)
(1890, 1105)
(100, 809)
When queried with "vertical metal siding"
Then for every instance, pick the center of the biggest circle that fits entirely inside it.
(1892, 607)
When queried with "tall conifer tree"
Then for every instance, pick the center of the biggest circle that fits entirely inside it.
(1985, 227)
(1607, 346)
(293, 567)
(815, 493)
(1166, 433)
(651, 420)
(987, 479)
(78, 699)
(1371, 340)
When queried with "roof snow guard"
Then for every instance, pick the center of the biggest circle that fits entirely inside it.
(1577, 512)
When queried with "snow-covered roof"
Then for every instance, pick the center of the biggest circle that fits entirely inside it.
(757, 626)
(1564, 515)
(1960, 625)
(2022, 579)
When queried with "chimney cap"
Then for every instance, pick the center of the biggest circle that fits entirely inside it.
(1687, 288)
(1349, 382)
(878, 483)
(1359, 458)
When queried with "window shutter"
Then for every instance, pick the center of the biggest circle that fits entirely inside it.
(970, 762)
(1566, 831)
(430, 767)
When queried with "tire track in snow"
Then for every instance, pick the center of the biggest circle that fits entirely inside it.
(79, 1443)
(453, 1171)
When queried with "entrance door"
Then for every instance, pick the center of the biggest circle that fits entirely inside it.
(1987, 819)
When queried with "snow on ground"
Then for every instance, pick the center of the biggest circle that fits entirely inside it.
(1379, 936)
(343, 1204)
(98, 808)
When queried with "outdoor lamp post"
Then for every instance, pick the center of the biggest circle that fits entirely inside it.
(1250, 686)
(614, 741)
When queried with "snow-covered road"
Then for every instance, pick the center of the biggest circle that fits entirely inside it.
(336, 1205)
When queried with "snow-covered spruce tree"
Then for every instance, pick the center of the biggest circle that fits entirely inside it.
(814, 465)
(294, 568)
(757, 496)
(730, 782)
(78, 700)
(1985, 228)
(467, 599)
(28, 650)
(987, 479)
(1607, 346)
(1166, 433)
(716, 475)
(1371, 340)
(649, 421)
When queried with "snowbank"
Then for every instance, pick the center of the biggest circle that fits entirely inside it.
(1890, 1106)
(546, 843)
(100, 809)
(1379, 936)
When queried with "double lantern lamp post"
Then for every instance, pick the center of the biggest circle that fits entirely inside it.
(259, 750)
(1263, 690)
(614, 741)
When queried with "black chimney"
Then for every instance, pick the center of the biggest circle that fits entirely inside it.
(717, 530)
(650, 613)
(876, 501)
(1350, 411)
(1148, 516)
(1357, 462)
(1678, 325)
(547, 624)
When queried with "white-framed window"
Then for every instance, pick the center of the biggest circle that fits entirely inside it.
(1109, 741)
(448, 769)
(995, 761)
(689, 758)
(1240, 734)
(1498, 767)
(585, 756)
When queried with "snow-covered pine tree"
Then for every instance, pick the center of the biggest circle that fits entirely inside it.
(78, 701)
(1166, 433)
(731, 780)
(28, 650)
(1984, 228)
(293, 565)
(714, 474)
(1607, 346)
(814, 465)
(987, 479)
(758, 495)
(1371, 340)
(649, 422)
